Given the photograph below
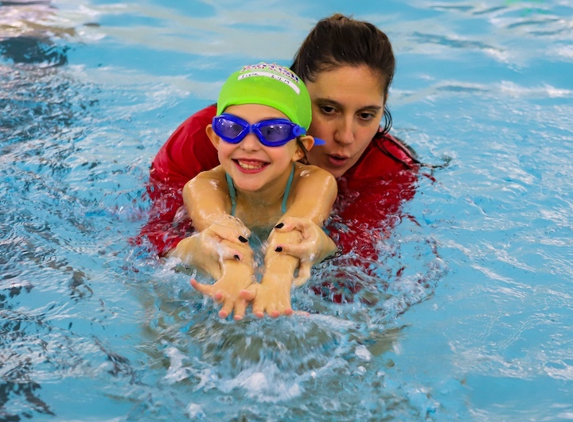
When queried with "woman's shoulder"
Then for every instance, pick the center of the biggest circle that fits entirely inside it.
(395, 149)
(187, 152)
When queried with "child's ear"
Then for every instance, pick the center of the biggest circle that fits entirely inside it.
(307, 142)
(213, 136)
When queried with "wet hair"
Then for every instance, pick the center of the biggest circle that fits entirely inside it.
(339, 41)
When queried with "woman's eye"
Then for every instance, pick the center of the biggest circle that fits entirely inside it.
(327, 109)
(367, 116)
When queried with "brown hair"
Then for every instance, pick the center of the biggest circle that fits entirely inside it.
(339, 41)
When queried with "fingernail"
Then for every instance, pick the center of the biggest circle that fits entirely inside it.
(279, 226)
(279, 249)
(236, 257)
(242, 239)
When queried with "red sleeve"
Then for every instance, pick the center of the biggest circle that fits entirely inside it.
(187, 152)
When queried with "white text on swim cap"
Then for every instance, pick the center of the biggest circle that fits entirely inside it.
(273, 76)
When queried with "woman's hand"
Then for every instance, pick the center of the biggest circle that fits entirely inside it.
(225, 239)
(224, 236)
(314, 245)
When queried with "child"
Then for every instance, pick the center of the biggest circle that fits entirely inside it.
(259, 132)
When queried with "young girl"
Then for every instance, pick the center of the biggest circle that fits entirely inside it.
(263, 112)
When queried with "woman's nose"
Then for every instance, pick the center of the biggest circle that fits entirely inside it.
(345, 131)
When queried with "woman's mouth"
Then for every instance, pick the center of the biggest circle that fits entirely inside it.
(337, 160)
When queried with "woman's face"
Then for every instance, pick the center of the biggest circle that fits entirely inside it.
(347, 107)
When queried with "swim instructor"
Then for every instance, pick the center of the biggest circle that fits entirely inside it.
(348, 66)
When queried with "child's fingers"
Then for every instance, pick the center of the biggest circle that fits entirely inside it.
(206, 289)
(273, 309)
(240, 308)
(250, 292)
(281, 310)
(284, 307)
(218, 296)
(226, 309)
(258, 309)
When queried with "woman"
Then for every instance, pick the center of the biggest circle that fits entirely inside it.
(348, 66)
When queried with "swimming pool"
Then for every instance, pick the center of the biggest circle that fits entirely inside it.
(95, 329)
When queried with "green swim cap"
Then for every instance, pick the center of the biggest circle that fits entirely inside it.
(271, 85)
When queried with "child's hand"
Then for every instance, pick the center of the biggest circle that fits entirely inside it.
(226, 291)
(235, 275)
(271, 296)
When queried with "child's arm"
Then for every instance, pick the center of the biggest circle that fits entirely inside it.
(221, 246)
(313, 245)
(215, 205)
(207, 201)
(235, 276)
(312, 203)
(314, 196)
(209, 249)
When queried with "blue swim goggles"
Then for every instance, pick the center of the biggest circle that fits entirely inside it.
(271, 133)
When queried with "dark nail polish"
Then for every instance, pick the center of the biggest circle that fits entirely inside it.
(242, 239)
(280, 225)
(236, 257)
(279, 249)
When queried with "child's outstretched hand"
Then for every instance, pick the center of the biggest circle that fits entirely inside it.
(235, 273)
(226, 291)
(271, 296)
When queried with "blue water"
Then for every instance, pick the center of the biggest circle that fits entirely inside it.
(474, 309)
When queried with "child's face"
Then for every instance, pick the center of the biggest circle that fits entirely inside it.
(252, 165)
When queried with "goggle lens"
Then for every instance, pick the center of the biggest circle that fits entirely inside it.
(275, 132)
(271, 133)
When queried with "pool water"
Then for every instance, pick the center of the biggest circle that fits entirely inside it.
(473, 314)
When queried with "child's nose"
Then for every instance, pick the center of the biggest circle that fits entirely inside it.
(250, 142)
